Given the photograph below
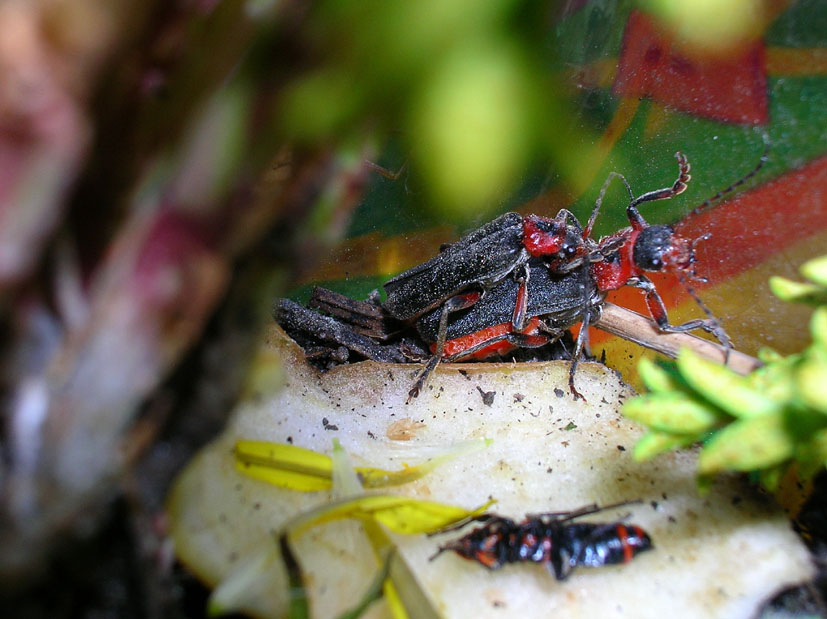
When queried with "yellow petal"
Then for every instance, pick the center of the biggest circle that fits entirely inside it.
(400, 514)
(296, 468)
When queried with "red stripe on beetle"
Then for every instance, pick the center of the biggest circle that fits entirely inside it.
(457, 345)
(623, 536)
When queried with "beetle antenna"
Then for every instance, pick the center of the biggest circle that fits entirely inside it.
(717, 197)
(693, 274)
(713, 325)
(592, 509)
(685, 281)
(593, 217)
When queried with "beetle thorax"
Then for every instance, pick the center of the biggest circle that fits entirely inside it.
(546, 237)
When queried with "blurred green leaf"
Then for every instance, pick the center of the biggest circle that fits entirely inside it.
(752, 443)
(776, 380)
(816, 270)
(322, 104)
(656, 443)
(656, 378)
(818, 327)
(812, 381)
(673, 412)
(722, 386)
(771, 477)
(471, 125)
(712, 26)
(797, 292)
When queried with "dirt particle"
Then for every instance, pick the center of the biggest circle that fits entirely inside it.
(487, 396)
(327, 425)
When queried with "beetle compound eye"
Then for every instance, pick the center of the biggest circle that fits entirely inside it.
(650, 247)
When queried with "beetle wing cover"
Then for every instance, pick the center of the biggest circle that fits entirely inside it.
(484, 256)
(558, 299)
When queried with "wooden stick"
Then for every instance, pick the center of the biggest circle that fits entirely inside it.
(641, 330)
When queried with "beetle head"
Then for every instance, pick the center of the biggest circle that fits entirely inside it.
(659, 248)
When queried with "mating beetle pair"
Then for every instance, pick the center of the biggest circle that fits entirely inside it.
(520, 281)
(574, 268)
(552, 539)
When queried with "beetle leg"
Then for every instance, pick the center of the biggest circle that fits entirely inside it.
(568, 218)
(524, 340)
(562, 267)
(658, 311)
(556, 566)
(581, 344)
(483, 518)
(678, 187)
(518, 317)
(586, 510)
(454, 304)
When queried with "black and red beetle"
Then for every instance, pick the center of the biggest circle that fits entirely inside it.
(552, 539)
(627, 255)
(465, 271)
(519, 282)
(553, 303)
(571, 283)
